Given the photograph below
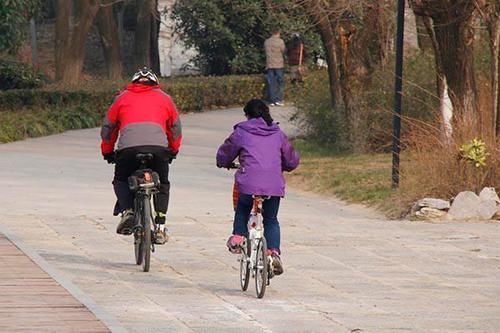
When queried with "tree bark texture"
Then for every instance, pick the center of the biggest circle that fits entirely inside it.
(327, 31)
(63, 15)
(454, 36)
(143, 33)
(155, 32)
(495, 75)
(108, 32)
(70, 42)
(441, 86)
(490, 11)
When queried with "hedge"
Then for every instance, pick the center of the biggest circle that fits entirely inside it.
(36, 112)
(192, 94)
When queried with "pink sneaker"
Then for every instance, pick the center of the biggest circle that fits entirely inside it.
(276, 263)
(234, 243)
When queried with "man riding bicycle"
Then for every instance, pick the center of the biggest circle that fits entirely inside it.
(143, 119)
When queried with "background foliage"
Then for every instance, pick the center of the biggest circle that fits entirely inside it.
(14, 17)
(17, 75)
(230, 35)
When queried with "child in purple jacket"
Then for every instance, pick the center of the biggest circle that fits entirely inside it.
(264, 153)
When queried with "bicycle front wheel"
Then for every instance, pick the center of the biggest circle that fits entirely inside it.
(245, 266)
(261, 268)
(146, 234)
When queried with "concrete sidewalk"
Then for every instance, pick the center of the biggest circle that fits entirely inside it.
(347, 269)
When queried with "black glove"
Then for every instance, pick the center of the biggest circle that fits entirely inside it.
(171, 156)
(109, 157)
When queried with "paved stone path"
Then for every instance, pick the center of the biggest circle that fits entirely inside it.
(347, 269)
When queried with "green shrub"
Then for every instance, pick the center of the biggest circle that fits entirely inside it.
(16, 75)
(323, 126)
(40, 122)
(328, 128)
(192, 94)
(36, 112)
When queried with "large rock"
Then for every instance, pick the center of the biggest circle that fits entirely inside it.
(434, 203)
(489, 194)
(465, 206)
(490, 203)
(429, 213)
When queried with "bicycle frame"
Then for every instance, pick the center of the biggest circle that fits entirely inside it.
(255, 231)
(144, 184)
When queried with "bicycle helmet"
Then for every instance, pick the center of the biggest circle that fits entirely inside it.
(145, 75)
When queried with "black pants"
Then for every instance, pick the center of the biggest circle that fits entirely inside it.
(127, 164)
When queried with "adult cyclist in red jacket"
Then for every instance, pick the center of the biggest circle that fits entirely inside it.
(143, 119)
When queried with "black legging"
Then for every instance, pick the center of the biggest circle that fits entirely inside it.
(127, 164)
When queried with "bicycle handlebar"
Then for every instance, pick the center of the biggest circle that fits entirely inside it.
(233, 165)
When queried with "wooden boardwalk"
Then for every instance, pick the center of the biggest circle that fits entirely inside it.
(31, 301)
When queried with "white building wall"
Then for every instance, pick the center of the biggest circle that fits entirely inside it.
(174, 55)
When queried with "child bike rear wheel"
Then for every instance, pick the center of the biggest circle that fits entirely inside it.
(245, 266)
(261, 266)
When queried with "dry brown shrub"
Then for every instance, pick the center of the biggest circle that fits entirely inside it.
(432, 164)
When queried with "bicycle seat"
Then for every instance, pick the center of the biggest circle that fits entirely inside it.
(144, 157)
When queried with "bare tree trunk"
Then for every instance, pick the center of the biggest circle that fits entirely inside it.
(493, 23)
(155, 32)
(319, 16)
(70, 48)
(63, 15)
(86, 11)
(452, 25)
(143, 34)
(455, 46)
(110, 41)
(495, 74)
(445, 106)
(496, 110)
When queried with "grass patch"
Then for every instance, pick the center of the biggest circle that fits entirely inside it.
(362, 178)
(29, 123)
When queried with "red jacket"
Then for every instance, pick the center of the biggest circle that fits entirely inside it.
(142, 116)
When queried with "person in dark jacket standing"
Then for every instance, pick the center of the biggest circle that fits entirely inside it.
(264, 152)
(295, 55)
(275, 50)
(143, 119)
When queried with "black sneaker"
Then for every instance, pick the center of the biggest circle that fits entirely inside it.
(276, 264)
(126, 225)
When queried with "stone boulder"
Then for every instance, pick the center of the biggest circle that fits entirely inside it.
(434, 203)
(430, 213)
(467, 205)
(490, 203)
(430, 208)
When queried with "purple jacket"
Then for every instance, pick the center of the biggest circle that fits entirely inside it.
(264, 153)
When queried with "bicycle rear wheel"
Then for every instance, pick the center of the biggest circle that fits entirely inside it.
(138, 244)
(261, 266)
(146, 235)
(138, 248)
(245, 266)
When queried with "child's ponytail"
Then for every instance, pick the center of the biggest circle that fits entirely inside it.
(257, 108)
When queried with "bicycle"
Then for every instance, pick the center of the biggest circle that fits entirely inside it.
(253, 258)
(144, 183)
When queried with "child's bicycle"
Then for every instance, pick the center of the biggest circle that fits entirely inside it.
(253, 258)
